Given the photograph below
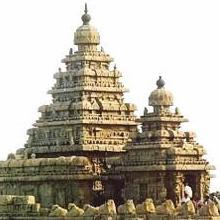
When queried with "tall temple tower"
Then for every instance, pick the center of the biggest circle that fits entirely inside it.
(87, 115)
(163, 158)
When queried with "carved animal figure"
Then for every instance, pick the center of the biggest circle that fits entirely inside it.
(186, 209)
(57, 211)
(217, 202)
(146, 207)
(11, 156)
(209, 209)
(74, 211)
(167, 208)
(90, 210)
(108, 208)
(128, 208)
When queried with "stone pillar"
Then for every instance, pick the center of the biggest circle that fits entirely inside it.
(176, 187)
(204, 184)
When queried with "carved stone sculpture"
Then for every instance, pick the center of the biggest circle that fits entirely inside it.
(57, 211)
(90, 210)
(209, 209)
(128, 208)
(6, 199)
(167, 208)
(186, 209)
(108, 208)
(11, 156)
(74, 211)
(146, 207)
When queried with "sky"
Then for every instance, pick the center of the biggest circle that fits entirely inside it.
(177, 39)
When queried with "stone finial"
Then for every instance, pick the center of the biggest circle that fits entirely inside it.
(71, 51)
(177, 111)
(145, 111)
(59, 69)
(160, 82)
(102, 49)
(160, 98)
(86, 17)
(115, 67)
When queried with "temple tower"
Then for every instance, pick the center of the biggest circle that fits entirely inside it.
(162, 159)
(87, 115)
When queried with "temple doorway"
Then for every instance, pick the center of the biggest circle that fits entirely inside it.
(191, 180)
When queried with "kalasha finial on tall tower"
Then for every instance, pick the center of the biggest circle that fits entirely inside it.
(86, 34)
(160, 82)
(86, 17)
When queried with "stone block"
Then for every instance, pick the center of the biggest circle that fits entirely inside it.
(161, 217)
(4, 209)
(22, 200)
(80, 218)
(128, 217)
(207, 218)
(6, 199)
(107, 217)
(35, 207)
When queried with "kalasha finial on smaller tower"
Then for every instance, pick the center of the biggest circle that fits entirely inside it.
(115, 67)
(86, 17)
(160, 82)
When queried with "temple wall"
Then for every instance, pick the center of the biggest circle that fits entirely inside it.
(159, 185)
(51, 181)
(52, 192)
(142, 185)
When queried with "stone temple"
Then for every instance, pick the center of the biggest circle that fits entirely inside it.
(85, 148)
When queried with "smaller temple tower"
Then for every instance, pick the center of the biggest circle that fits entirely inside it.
(162, 159)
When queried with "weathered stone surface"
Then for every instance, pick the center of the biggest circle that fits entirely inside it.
(23, 200)
(167, 208)
(162, 158)
(209, 209)
(86, 149)
(108, 208)
(74, 211)
(90, 210)
(186, 209)
(128, 208)
(147, 207)
(57, 211)
(6, 199)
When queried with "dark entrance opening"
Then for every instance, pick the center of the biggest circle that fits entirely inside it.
(191, 180)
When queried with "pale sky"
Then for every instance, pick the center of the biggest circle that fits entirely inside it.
(179, 40)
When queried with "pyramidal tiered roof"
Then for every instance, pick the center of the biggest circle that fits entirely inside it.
(87, 112)
(161, 137)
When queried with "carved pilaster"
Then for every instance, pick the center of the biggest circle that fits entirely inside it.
(178, 186)
(204, 184)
